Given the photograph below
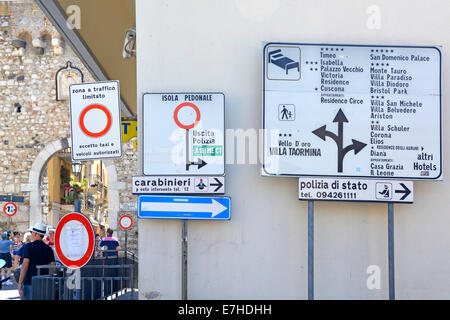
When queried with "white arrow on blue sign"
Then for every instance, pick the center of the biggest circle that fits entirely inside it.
(178, 207)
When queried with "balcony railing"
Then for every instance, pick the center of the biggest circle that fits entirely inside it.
(95, 181)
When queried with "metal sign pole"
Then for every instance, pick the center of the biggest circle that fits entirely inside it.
(310, 250)
(77, 291)
(9, 217)
(187, 148)
(184, 254)
(391, 251)
(126, 245)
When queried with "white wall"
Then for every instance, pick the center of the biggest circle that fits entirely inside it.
(216, 45)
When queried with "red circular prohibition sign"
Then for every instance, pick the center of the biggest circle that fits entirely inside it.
(125, 217)
(108, 123)
(7, 213)
(90, 250)
(197, 112)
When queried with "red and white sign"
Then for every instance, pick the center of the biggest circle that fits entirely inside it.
(74, 240)
(125, 222)
(183, 134)
(95, 120)
(10, 209)
(177, 120)
(104, 129)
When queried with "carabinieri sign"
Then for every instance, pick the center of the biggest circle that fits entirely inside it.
(178, 185)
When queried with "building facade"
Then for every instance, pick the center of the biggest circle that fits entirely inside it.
(204, 46)
(36, 127)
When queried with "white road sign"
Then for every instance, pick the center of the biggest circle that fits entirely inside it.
(95, 120)
(183, 133)
(178, 185)
(352, 111)
(341, 189)
(74, 240)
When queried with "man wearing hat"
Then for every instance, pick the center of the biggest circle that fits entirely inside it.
(36, 253)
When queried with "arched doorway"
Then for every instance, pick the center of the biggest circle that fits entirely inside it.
(40, 171)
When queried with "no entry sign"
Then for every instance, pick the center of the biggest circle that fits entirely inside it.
(95, 120)
(74, 240)
(10, 209)
(126, 222)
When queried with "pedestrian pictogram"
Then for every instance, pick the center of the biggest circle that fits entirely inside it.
(286, 112)
(356, 145)
(10, 209)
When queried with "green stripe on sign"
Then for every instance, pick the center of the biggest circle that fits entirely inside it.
(205, 150)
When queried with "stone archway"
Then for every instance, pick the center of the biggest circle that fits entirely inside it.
(34, 181)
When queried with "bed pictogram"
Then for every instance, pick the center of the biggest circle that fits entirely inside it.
(277, 58)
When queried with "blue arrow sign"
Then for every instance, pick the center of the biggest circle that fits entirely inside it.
(177, 207)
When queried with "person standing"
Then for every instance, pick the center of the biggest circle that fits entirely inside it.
(112, 244)
(17, 241)
(98, 239)
(35, 254)
(50, 238)
(18, 256)
(6, 246)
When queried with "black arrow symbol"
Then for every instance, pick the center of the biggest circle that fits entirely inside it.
(356, 145)
(405, 190)
(200, 163)
(340, 119)
(322, 133)
(219, 184)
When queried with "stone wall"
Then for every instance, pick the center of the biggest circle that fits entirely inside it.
(30, 116)
(127, 167)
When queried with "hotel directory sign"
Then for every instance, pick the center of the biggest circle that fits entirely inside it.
(368, 111)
